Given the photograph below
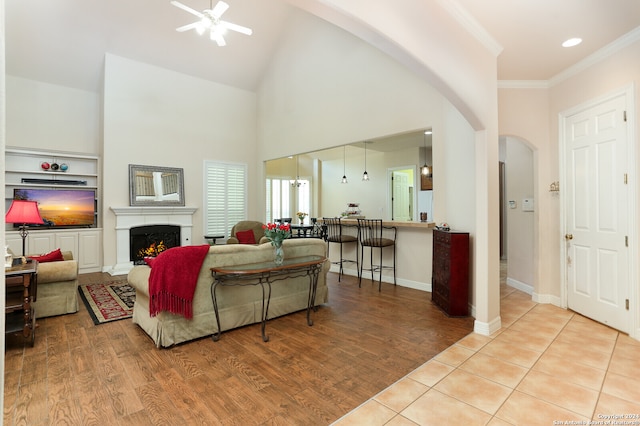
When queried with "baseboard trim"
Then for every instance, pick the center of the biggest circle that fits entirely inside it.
(547, 299)
(119, 269)
(416, 285)
(519, 285)
(487, 328)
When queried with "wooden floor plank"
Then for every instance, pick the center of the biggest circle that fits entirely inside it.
(361, 342)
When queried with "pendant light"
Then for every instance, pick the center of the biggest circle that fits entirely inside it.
(296, 183)
(365, 175)
(344, 165)
(424, 170)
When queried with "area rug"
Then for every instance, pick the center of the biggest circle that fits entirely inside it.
(106, 302)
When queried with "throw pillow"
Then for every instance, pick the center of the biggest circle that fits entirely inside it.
(246, 237)
(52, 256)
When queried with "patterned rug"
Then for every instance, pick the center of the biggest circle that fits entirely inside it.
(108, 302)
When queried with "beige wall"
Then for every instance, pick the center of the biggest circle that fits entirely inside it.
(520, 224)
(616, 72)
(524, 113)
(532, 115)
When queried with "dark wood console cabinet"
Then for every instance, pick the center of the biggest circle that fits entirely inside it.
(450, 278)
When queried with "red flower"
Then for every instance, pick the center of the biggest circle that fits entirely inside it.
(277, 232)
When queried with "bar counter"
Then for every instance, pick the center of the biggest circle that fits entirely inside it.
(413, 255)
(396, 223)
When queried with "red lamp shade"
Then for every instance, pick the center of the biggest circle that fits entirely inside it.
(23, 212)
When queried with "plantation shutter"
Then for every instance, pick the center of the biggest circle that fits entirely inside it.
(225, 196)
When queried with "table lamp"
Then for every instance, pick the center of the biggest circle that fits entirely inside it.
(24, 213)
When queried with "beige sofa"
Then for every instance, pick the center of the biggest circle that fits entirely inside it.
(57, 292)
(238, 306)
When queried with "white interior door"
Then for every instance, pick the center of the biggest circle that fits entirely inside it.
(596, 207)
(400, 196)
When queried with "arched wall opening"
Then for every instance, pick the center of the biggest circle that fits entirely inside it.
(428, 39)
(519, 218)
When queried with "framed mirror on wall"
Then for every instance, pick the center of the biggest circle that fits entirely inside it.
(155, 186)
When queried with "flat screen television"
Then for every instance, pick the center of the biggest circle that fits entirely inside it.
(62, 207)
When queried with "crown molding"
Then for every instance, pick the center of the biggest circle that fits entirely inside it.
(615, 46)
(469, 23)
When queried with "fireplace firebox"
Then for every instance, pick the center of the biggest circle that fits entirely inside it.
(151, 240)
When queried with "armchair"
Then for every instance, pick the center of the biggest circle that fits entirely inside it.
(246, 225)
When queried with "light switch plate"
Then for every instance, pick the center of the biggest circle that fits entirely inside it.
(527, 204)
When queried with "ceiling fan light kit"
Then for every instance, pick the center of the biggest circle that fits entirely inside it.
(210, 21)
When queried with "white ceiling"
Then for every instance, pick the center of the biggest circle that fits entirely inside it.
(531, 31)
(64, 41)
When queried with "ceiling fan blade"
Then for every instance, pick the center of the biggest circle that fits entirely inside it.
(217, 37)
(187, 27)
(236, 27)
(186, 8)
(220, 8)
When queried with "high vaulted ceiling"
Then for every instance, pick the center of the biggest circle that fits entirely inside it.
(64, 41)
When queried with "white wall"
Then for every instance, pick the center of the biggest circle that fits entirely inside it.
(325, 88)
(154, 116)
(323, 99)
(427, 38)
(373, 195)
(50, 117)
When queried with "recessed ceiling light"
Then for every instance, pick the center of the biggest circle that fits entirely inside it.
(572, 42)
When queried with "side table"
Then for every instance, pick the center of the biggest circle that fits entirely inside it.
(213, 238)
(264, 274)
(21, 282)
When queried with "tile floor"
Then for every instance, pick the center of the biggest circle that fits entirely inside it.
(545, 366)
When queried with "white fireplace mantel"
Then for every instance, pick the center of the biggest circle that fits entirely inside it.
(130, 217)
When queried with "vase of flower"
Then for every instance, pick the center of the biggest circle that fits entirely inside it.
(279, 254)
(301, 216)
(277, 234)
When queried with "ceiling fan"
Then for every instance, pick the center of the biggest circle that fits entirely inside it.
(210, 20)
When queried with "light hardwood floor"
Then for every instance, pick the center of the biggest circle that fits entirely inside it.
(362, 341)
(546, 366)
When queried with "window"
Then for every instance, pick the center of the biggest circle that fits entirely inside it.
(284, 200)
(225, 201)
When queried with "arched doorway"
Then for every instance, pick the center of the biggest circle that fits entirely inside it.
(518, 214)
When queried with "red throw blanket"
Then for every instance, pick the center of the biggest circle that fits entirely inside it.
(173, 279)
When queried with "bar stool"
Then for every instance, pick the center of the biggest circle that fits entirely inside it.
(333, 229)
(370, 234)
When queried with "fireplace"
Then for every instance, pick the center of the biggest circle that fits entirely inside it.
(131, 217)
(151, 240)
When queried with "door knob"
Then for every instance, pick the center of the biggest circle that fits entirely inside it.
(568, 237)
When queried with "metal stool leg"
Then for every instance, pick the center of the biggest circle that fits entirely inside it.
(361, 265)
(381, 268)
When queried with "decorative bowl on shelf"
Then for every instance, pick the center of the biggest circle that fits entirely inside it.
(45, 165)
